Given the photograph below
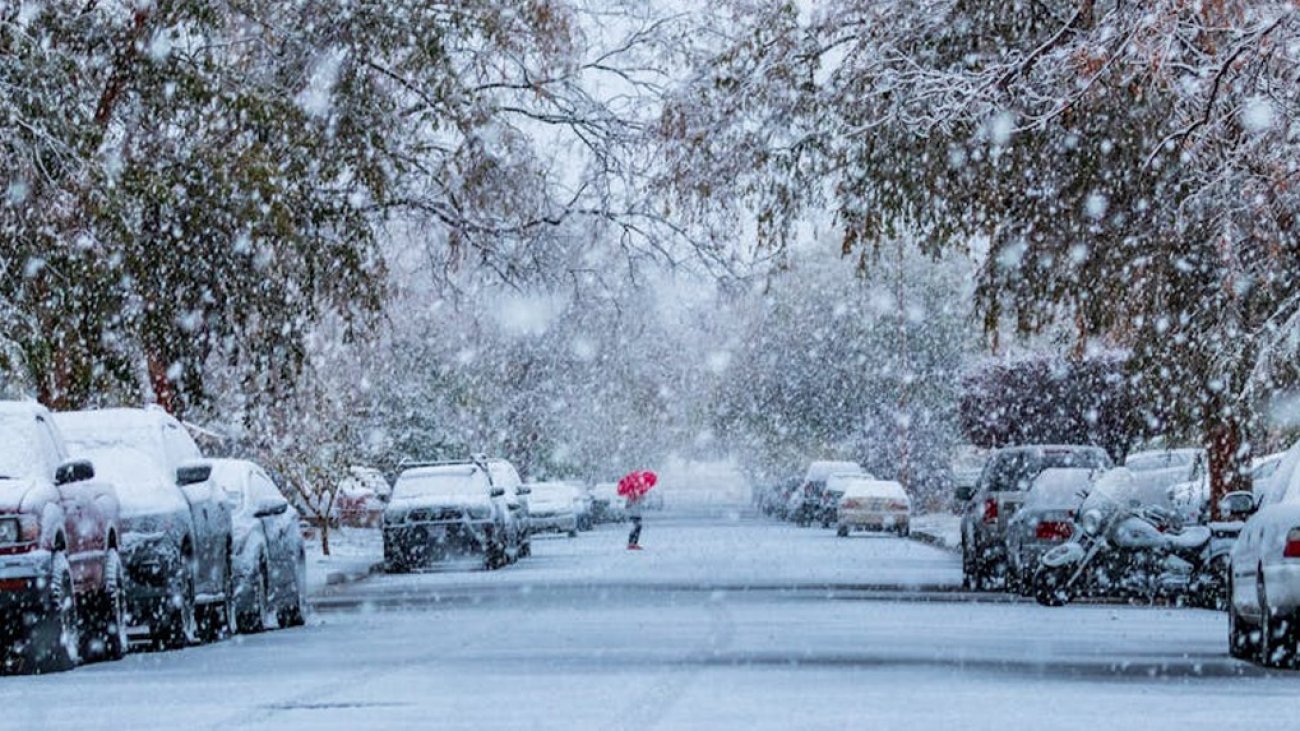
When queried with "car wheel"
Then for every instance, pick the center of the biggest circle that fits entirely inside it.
(1243, 642)
(55, 639)
(217, 619)
(179, 625)
(254, 618)
(1277, 634)
(573, 533)
(104, 635)
(1051, 586)
(295, 615)
(842, 531)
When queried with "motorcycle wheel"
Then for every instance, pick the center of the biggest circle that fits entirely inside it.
(1051, 586)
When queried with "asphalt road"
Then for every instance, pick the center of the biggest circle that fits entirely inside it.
(722, 622)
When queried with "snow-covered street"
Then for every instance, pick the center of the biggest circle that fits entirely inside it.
(723, 620)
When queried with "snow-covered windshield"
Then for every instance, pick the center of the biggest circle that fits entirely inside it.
(1016, 469)
(86, 435)
(19, 452)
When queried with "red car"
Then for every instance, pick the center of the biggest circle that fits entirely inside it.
(61, 596)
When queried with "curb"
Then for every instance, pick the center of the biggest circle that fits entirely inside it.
(930, 539)
(338, 578)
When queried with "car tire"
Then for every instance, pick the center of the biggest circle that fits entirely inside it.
(104, 625)
(1050, 588)
(1277, 634)
(842, 531)
(295, 615)
(179, 626)
(573, 533)
(55, 638)
(217, 620)
(1243, 637)
(254, 618)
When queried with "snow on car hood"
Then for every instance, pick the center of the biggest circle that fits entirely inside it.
(13, 492)
(450, 500)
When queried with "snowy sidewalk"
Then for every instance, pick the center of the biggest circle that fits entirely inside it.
(355, 553)
(941, 530)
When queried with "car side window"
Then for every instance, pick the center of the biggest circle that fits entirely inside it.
(261, 487)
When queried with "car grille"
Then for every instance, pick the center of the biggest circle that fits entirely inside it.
(425, 515)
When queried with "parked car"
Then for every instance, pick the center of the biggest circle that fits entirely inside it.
(180, 581)
(1000, 491)
(444, 511)
(1264, 572)
(863, 503)
(553, 508)
(514, 505)
(808, 503)
(361, 497)
(270, 559)
(61, 593)
(1044, 521)
(584, 505)
(606, 504)
(1181, 473)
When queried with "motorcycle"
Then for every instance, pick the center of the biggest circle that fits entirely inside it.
(1130, 548)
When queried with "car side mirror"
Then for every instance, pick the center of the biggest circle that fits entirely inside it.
(76, 470)
(1238, 504)
(497, 491)
(267, 508)
(964, 493)
(192, 474)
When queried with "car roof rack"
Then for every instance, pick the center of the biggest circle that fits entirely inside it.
(477, 460)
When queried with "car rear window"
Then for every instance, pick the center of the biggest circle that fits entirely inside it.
(1016, 471)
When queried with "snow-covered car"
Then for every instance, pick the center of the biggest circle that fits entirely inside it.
(1264, 572)
(584, 505)
(181, 600)
(607, 504)
(361, 497)
(1181, 473)
(445, 511)
(1044, 521)
(270, 559)
(513, 504)
(1000, 491)
(808, 502)
(552, 508)
(863, 503)
(61, 593)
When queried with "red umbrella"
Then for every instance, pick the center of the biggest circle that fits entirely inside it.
(636, 484)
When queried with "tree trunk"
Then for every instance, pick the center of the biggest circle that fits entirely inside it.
(1227, 460)
(164, 391)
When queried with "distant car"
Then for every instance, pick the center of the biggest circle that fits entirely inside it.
(270, 559)
(1182, 473)
(1045, 520)
(607, 505)
(584, 505)
(361, 496)
(807, 503)
(552, 508)
(61, 593)
(445, 511)
(1264, 572)
(1000, 491)
(864, 503)
(177, 601)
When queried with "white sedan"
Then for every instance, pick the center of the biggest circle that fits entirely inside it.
(866, 503)
(1264, 582)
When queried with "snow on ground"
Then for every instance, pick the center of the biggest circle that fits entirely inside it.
(720, 623)
(354, 552)
(942, 529)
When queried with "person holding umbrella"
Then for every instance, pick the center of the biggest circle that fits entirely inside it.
(633, 487)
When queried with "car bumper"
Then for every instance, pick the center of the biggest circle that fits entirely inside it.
(1282, 585)
(562, 523)
(872, 520)
(435, 540)
(24, 581)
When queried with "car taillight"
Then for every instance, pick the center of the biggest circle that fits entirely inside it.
(851, 504)
(895, 505)
(1053, 530)
(1292, 549)
(990, 510)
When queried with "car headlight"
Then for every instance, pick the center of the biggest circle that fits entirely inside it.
(479, 512)
(19, 529)
(1090, 522)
